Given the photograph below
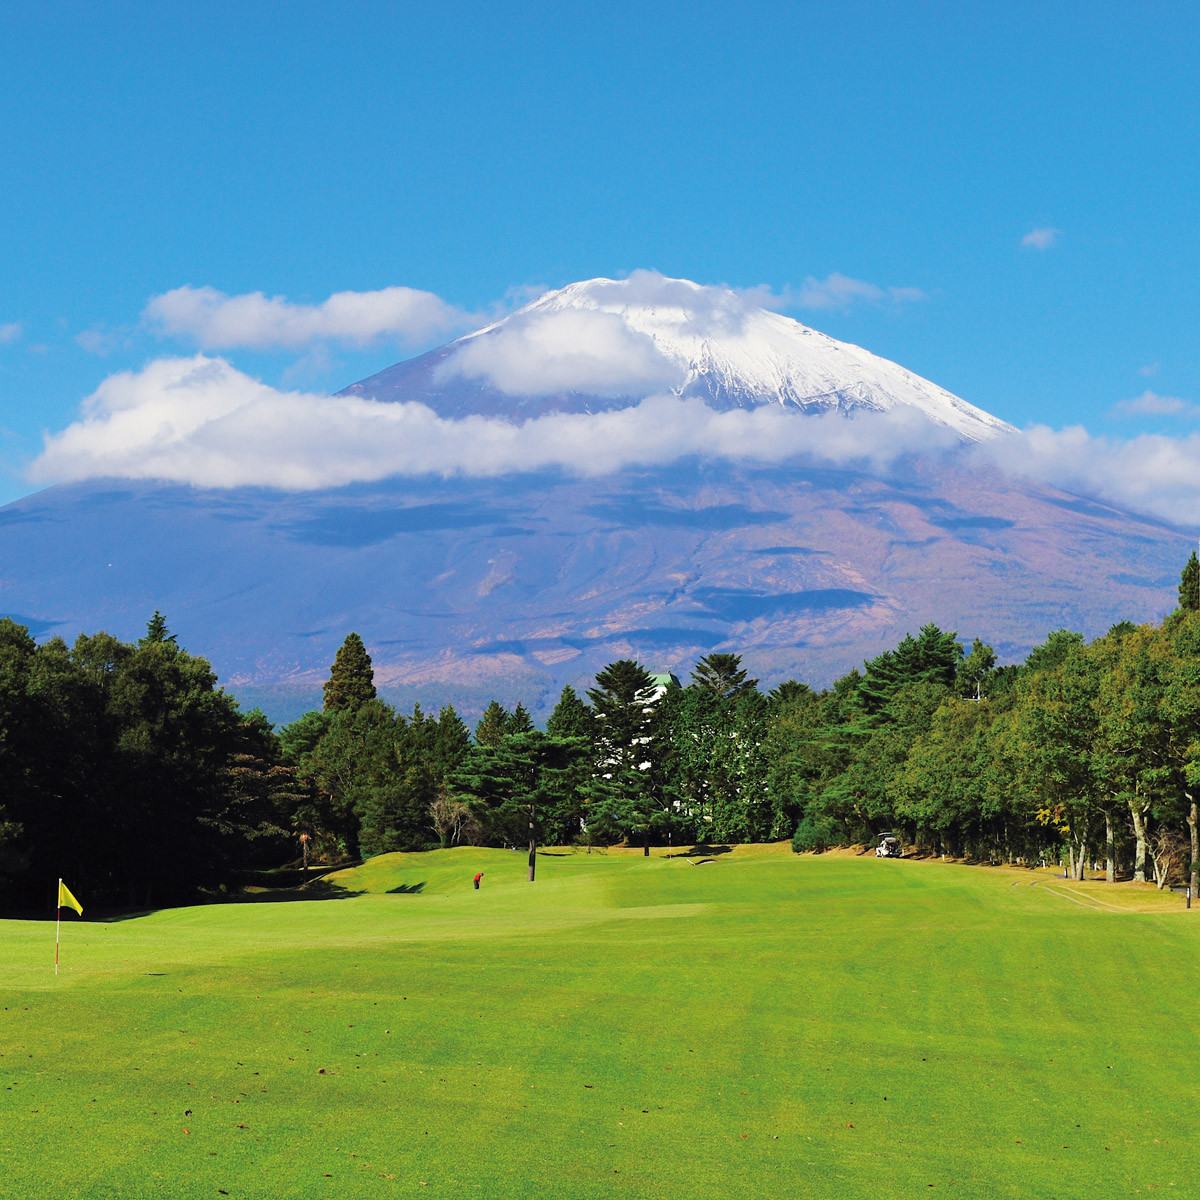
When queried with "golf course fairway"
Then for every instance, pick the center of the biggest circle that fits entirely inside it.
(761, 1025)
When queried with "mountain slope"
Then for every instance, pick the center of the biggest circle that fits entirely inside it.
(467, 589)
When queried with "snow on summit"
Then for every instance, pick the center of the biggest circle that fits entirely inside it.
(650, 334)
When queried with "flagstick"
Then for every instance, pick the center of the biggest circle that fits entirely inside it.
(57, 925)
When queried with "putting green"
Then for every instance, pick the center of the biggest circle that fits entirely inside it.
(761, 1025)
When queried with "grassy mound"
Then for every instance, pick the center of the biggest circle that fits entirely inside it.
(762, 1025)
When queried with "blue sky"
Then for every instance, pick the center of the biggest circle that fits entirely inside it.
(1031, 170)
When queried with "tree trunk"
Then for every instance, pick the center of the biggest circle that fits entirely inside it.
(532, 845)
(1137, 814)
(1193, 820)
(1110, 865)
(1160, 872)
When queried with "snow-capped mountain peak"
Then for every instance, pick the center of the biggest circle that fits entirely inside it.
(735, 353)
(607, 343)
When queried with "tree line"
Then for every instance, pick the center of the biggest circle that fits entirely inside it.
(126, 767)
(1085, 752)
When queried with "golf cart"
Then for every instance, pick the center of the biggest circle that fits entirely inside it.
(889, 847)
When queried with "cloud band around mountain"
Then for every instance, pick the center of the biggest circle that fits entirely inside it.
(200, 421)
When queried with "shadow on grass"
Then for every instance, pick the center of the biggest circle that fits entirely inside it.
(314, 889)
(407, 889)
(115, 918)
(318, 889)
(702, 850)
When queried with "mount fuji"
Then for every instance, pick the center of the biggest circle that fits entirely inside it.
(703, 342)
(821, 502)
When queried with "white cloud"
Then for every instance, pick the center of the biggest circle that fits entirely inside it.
(572, 350)
(101, 341)
(200, 421)
(1041, 239)
(216, 321)
(906, 295)
(1150, 473)
(1149, 370)
(11, 332)
(1151, 404)
(834, 291)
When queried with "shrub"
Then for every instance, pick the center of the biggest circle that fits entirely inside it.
(814, 833)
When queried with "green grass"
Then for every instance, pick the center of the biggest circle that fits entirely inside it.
(765, 1025)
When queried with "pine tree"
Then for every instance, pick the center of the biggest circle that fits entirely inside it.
(519, 721)
(723, 675)
(623, 701)
(156, 631)
(629, 751)
(931, 657)
(1189, 585)
(399, 789)
(351, 680)
(571, 717)
(493, 725)
(790, 692)
(451, 742)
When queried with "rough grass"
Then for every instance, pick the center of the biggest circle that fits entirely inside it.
(761, 1025)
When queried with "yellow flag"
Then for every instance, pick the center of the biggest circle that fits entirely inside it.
(65, 899)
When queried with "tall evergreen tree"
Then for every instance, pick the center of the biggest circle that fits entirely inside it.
(351, 680)
(451, 742)
(1189, 585)
(629, 750)
(568, 768)
(794, 747)
(571, 717)
(931, 657)
(722, 675)
(348, 764)
(156, 631)
(519, 721)
(789, 691)
(175, 735)
(493, 725)
(500, 780)
(393, 806)
(623, 701)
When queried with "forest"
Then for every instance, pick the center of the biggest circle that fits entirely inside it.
(128, 769)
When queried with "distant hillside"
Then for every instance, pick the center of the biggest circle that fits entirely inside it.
(467, 589)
